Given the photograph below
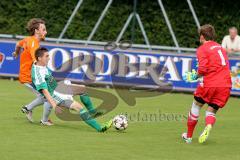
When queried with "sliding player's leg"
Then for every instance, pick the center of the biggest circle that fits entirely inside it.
(87, 118)
(67, 88)
(86, 100)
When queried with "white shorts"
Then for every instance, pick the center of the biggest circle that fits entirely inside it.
(65, 100)
(59, 98)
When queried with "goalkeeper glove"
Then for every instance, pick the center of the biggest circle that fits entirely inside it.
(191, 77)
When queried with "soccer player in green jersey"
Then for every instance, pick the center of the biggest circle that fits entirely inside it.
(46, 85)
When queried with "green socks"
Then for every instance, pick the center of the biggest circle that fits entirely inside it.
(85, 99)
(89, 120)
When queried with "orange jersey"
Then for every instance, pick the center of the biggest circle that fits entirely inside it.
(29, 45)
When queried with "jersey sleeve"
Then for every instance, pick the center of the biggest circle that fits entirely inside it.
(21, 43)
(202, 62)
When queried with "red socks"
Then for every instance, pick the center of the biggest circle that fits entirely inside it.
(191, 123)
(210, 118)
(193, 119)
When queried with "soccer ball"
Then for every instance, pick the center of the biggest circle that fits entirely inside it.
(120, 122)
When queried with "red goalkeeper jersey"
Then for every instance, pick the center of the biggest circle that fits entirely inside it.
(213, 65)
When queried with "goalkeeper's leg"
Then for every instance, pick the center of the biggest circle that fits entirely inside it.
(192, 119)
(209, 122)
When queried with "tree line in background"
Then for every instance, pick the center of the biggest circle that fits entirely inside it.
(15, 14)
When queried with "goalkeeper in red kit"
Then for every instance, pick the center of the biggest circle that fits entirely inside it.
(215, 86)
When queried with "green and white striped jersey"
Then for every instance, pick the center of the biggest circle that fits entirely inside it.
(42, 79)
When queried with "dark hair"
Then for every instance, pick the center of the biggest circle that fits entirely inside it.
(40, 52)
(208, 32)
(33, 24)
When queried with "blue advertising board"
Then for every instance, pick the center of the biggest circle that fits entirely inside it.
(125, 67)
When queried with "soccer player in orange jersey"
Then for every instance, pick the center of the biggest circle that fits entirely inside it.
(37, 29)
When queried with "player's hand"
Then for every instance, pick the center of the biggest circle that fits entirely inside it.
(191, 77)
(58, 110)
(15, 55)
(229, 50)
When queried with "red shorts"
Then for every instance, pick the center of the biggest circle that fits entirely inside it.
(213, 95)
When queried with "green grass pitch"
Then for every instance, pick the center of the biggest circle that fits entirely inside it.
(145, 138)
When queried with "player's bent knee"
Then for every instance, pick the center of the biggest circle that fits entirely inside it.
(47, 106)
(76, 106)
(78, 89)
(66, 103)
(199, 101)
(213, 107)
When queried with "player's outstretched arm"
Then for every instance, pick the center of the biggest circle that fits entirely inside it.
(49, 98)
(51, 101)
(17, 51)
(18, 48)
